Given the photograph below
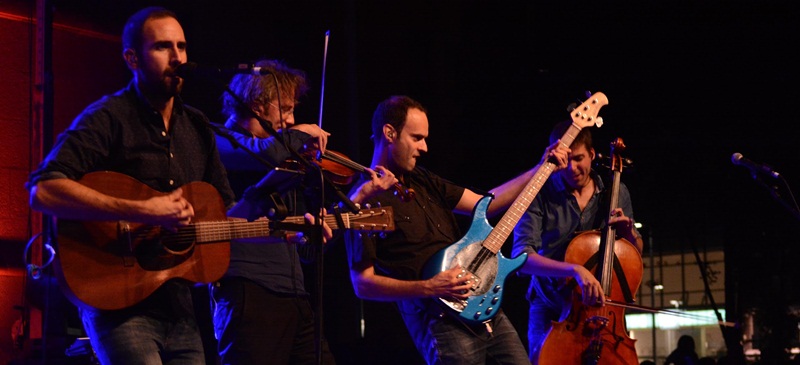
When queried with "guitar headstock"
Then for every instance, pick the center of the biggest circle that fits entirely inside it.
(373, 220)
(585, 115)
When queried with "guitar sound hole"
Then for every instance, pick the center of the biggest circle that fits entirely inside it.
(165, 249)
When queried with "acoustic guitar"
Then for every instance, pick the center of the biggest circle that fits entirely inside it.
(115, 264)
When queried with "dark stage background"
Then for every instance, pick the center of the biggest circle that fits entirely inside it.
(689, 84)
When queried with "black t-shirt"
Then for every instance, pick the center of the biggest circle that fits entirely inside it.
(423, 226)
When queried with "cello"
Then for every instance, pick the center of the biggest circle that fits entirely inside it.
(593, 335)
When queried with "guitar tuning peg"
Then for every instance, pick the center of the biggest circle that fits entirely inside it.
(382, 235)
(368, 205)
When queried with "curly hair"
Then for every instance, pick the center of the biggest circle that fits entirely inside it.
(260, 90)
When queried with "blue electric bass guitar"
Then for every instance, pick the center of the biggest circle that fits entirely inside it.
(478, 251)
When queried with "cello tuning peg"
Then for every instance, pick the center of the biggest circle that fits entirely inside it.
(627, 162)
(602, 161)
(571, 107)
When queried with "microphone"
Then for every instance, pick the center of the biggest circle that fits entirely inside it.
(740, 160)
(190, 69)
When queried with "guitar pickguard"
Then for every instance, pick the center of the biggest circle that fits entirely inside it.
(491, 269)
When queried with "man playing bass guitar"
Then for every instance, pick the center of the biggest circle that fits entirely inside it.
(390, 268)
(568, 203)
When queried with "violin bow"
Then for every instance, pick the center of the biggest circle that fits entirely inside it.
(324, 66)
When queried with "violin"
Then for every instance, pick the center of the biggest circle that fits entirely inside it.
(592, 335)
(341, 170)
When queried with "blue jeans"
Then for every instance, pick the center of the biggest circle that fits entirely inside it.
(143, 340)
(441, 338)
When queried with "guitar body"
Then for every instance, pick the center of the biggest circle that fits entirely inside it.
(100, 265)
(490, 269)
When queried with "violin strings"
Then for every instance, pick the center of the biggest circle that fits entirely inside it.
(345, 162)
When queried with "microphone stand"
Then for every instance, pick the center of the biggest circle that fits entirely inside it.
(793, 209)
(777, 348)
(731, 336)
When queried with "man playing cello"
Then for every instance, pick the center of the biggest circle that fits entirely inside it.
(569, 202)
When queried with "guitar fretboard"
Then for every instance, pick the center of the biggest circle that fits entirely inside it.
(494, 241)
(214, 231)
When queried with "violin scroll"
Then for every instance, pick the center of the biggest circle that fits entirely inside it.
(405, 194)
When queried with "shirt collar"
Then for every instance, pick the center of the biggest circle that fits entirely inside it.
(598, 183)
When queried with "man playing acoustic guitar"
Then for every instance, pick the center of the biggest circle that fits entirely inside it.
(146, 132)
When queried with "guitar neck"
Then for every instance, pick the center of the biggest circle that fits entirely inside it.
(494, 241)
(360, 221)
(215, 231)
(370, 220)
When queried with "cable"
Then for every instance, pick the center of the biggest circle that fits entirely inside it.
(35, 271)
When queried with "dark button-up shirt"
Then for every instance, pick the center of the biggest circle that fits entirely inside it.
(270, 262)
(123, 133)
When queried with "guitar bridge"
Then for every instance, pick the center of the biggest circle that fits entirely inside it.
(124, 236)
(458, 305)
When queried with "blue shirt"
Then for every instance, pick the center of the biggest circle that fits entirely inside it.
(270, 262)
(554, 218)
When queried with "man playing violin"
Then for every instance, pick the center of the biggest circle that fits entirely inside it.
(261, 309)
(569, 202)
(389, 268)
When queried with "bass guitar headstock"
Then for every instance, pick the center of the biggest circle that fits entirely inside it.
(585, 115)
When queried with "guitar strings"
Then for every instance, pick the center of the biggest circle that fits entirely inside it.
(220, 230)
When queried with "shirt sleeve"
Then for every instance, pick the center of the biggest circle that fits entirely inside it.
(528, 231)
(235, 157)
(449, 192)
(360, 250)
(79, 149)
